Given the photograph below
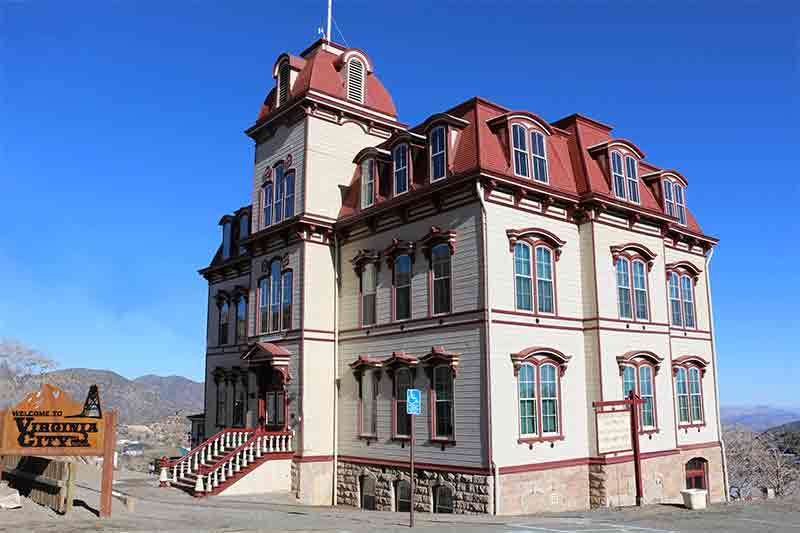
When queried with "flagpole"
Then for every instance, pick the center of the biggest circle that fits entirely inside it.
(330, 16)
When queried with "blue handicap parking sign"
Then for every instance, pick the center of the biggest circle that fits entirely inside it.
(412, 401)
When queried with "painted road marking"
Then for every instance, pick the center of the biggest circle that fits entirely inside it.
(585, 525)
(771, 523)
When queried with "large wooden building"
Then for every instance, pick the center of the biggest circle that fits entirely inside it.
(516, 270)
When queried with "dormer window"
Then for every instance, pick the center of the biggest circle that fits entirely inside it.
(400, 169)
(616, 173)
(520, 141)
(283, 83)
(539, 153)
(355, 80)
(244, 228)
(674, 201)
(438, 153)
(632, 175)
(226, 240)
(367, 183)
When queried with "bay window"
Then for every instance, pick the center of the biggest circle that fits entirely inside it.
(438, 153)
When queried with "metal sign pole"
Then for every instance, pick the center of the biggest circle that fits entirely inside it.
(411, 511)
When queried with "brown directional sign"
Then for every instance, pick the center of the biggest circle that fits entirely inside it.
(49, 422)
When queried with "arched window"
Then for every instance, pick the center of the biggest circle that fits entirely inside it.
(616, 173)
(633, 179)
(241, 319)
(687, 295)
(402, 498)
(640, 289)
(442, 499)
(402, 287)
(263, 304)
(286, 306)
(624, 288)
(527, 400)
(400, 169)
(520, 143)
(674, 200)
(369, 285)
(549, 395)
(695, 395)
(266, 201)
(367, 183)
(283, 83)
(224, 316)
(441, 274)
(680, 202)
(443, 402)
(367, 485)
(675, 299)
(288, 199)
(279, 193)
(639, 379)
(544, 280)
(438, 153)
(275, 303)
(402, 382)
(669, 199)
(355, 80)
(539, 154)
(523, 283)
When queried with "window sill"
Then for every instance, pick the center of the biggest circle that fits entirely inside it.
(546, 438)
(401, 438)
(649, 431)
(687, 427)
(443, 441)
(368, 438)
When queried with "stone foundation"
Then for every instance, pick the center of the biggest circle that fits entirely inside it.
(553, 490)
(663, 478)
(472, 493)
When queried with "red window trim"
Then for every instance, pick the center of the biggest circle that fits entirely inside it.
(409, 169)
(259, 291)
(689, 362)
(435, 237)
(360, 366)
(393, 374)
(434, 437)
(631, 259)
(283, 269)
(636, 360)
(538, 357)
(364, 257)
(392, 253)
(683, 269)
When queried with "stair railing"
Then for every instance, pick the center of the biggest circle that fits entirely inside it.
(202, 454)
(259, 444)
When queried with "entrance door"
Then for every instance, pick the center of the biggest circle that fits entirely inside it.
(696, 474)
(271, 400)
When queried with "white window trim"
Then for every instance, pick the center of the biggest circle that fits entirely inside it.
(534, 399)
(534, 157)
(443, 151)
(621, 174)
(535, 271)
(634, 180)
(530, 276)
(645, 290)
(680, 207)
(366, 199)
(395, 170)
(628, 288)
(556, 398)
(514, 151)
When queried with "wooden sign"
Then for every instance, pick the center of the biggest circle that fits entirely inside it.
(48, 422)
(613, 431)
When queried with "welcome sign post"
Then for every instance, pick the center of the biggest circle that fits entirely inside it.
(413, 409)
(49, 423)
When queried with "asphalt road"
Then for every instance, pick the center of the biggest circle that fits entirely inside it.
(171, 510)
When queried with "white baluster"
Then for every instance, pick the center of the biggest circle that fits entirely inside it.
(222, 473)
(245, 460)
(230, 467)
(238, 467)
(174, 473)
(282, 441)
(197, 461)
(198, 485)
(272, 443)
(258, 447)
(252, 452)
(215, 482)
(290, 442)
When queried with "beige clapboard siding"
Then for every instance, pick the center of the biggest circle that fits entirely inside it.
(468, 451)
(287, 139)
(319, 287)
(318, 401)
(331, 149)
(466, 272)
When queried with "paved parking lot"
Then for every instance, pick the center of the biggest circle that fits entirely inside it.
(171, 510)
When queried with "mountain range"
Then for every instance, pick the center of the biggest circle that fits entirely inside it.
(759, 417)
(144, 400)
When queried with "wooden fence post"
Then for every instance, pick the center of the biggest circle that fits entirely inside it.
(109, 444)
(69, 490)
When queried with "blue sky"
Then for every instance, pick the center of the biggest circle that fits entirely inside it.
(121, 146)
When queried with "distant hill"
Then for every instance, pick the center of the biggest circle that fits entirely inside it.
(759, 417)
(144, 400)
